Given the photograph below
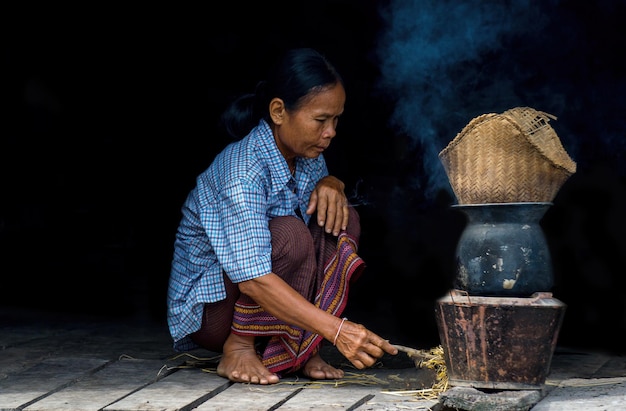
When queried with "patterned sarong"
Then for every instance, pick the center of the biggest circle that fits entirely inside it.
(289, 347)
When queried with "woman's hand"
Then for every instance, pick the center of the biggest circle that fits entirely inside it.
(331, 203)
(361, 346)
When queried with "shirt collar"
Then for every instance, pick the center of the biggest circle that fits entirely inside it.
(275, 161)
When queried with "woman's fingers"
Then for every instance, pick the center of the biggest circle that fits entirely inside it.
(331, 204)
(361, 346)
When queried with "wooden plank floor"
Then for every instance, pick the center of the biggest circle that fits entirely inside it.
(59, 363)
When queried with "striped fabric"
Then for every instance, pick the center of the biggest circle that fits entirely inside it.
(289, 348)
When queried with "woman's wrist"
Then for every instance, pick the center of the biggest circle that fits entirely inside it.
(343, 320)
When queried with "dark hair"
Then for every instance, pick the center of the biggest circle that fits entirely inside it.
(297, 74)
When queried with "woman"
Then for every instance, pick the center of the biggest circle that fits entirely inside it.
(266, 247)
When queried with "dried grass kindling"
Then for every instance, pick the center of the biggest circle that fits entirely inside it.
(432, 359)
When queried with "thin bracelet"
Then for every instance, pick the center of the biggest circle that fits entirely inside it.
(343, 320)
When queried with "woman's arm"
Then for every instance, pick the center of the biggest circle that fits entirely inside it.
(359, 345)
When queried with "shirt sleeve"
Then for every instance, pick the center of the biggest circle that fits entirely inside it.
(238, 229)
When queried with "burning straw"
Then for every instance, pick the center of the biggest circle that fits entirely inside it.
(432, 359)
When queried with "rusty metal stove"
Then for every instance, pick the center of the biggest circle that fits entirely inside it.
(500, 324)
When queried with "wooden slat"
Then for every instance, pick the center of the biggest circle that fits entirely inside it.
(22, 388)
(319, 397)
(586, 394)
(18, 359)
(183, 389)
(106, 386)
(569, 365)
(616, 367)
(387, 402)
(11, 337)
(251, 397)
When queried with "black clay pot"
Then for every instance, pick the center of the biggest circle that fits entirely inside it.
(502, 251)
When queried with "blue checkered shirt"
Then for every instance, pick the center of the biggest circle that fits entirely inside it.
(224, 225)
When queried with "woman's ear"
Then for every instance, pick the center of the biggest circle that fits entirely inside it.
(277, 110)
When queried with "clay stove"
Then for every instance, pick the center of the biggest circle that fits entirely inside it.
(499, 325)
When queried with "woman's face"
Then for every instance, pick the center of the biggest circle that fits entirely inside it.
(307, 131)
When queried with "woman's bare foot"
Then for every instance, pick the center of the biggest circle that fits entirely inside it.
(240, 363)
(318, 369)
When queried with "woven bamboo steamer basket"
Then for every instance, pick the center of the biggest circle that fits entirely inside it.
(515, 156)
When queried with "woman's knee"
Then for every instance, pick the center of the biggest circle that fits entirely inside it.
(354, 223)
(290, 238)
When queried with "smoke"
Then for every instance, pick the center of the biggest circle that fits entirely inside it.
(444, 62)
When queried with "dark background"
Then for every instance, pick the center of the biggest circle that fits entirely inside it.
(109, 114)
